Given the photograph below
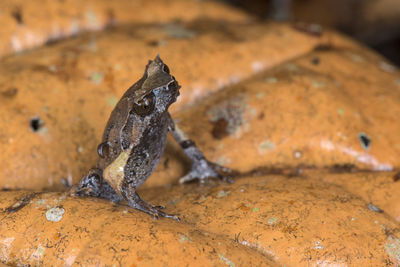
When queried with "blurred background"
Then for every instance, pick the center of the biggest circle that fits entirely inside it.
(375, 23)
(64, 65)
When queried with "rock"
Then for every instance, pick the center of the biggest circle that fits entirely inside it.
(28, 24)
(56, 100)
(93, 231)
(267, 220)
(379, 189)
(331, 109)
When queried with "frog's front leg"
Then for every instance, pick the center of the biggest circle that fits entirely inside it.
(93, 185)
(131, 196)
(90, 184)
(202, 168)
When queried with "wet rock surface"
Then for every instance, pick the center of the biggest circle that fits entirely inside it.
(28, 24)
(305, 115)
(267, 220)
(319, 111)
(56, 100)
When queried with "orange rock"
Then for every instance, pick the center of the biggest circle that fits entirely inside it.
(53, 230)
(378, 189)
(27, 24)
(67, 90)
(328, 109)
(297, 222)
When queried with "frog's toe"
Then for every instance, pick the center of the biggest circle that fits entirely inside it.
(223, 173)
(155, 211)
(170, 216)
(203, 170)
(188, 177)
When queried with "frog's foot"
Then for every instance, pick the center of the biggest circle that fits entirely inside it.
(203, 169)
(155, 211)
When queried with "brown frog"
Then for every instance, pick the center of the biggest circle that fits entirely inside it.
(134, 140)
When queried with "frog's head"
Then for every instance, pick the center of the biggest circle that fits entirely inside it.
(158, 89)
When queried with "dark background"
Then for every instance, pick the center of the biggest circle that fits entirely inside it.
(376, 23)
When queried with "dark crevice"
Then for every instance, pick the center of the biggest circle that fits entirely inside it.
(299, 170)
(396, 177)
(35, 124)
(17, 15)
(365, 140)
(25, 200)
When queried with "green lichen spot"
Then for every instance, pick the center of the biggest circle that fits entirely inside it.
(183, 238)
(112, 101)
(265, 146)
(356, 58)
(223, 160)
(175, 30)
(340, 111)
(173, 201)
(43, 131)
(256, 209)
(41, 202)
(202, 199)
(272, 220)
(228, 262)
(271, 80)
(386, 67)
(291, 67)
(45, 109)
(318, 84)
(92, 18)
(96, 77)
(223, 193)
(392, 248)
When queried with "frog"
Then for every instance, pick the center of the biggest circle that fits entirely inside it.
(134, 140)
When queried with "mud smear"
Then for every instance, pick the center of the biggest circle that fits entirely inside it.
(396, 177)
(25, 200)
(299, 170)
(220, 129)
(10, 92)
(308, 28)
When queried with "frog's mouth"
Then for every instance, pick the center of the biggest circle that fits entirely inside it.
(176, 86)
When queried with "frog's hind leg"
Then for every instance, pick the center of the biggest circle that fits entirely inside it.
(136, 202)
(202, 168)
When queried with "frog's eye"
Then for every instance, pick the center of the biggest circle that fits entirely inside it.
(103, 149)
(166, 69)
(172, 85)
(145, 105)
